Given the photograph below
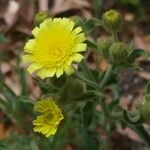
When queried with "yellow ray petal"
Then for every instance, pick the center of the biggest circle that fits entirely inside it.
(29, 46)
(59, 72)
(80, 47)
(35, 31)
(27, 58)
(33, 67)
(77, 57)
(68, 69)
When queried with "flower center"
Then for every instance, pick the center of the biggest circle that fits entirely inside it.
(48, 117)
(54, 48)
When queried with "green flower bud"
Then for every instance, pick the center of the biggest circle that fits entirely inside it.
(112, 21)
(118, 52)
(103, 47)
(73, 90)
(40, 17)
(145, 108)
(59, 82)
(78, 21)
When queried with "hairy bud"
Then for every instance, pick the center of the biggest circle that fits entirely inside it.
(103, 47)
(73, 90)
(40, 17)
(118, 52)
(112, 21)
(78, 21)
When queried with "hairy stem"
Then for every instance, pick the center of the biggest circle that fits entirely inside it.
(114, 37)
(88, 82)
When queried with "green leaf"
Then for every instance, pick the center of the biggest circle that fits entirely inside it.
(4, 105)
(113, 104)
(22, 75)
(90, 24)
(47, 88)
(3, 39)
(98, 7)
(59, 82)
(91, 44)
(132, 117)
(130, 2)
(90, 74)
(116, 111)
(135, 53)
(61, 136)
(148, 87)
(15, 142)
(89, 140)
(24, 105)
(126, 66)
(140, 130)
(7, 92)
(115, 92)
(112, 79)
(87, 96)
(88, 111)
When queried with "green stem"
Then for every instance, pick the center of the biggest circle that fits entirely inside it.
(103, 102)
(105, 108)
(81, 111)
(106, 121)
(88, 82)
(106, 77)
(87, 71)
(114, 37)
(142, 133)
(4, 86)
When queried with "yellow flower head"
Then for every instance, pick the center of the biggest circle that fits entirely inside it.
(56, 45)
(47, 123)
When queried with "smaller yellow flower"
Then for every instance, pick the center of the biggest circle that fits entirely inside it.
(47, 123)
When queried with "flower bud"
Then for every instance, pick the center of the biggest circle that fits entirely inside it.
(72, 90)
(118, 52)
(112, 21)
(78, 21)
(103, 47)
(145, 108)
(75, 88)
(40, 17)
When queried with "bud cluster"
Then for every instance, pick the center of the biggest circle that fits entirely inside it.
(115, 52)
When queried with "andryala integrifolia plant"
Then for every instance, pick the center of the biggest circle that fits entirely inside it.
(57, 51)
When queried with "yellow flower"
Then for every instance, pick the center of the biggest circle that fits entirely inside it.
(47, 123)
(56, 45)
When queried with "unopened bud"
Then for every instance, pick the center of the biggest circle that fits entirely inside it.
(112, 21)
(40, 17)
(118, 52)
(73, 90)
(103, 47)
(78, 21)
